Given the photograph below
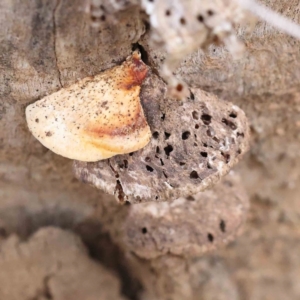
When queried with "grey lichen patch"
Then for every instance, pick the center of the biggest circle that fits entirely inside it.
(194, 143)
(188, 226)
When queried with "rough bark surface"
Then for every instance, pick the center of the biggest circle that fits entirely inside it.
(48, 44)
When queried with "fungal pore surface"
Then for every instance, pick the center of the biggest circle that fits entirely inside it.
(194, 143)
(95, 118)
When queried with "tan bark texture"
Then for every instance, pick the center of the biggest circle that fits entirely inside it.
(62, 239)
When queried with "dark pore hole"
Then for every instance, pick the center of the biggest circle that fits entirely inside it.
(161, 162)
(192, 96)
(229, 124)
(194, 175)
(130, 154)
(147, 159)
(125, 163)
(200, 18)
(197, 126)
(233, 115)
(157, 149)
(165, 174)
(186, 135)
(144, 230)
(182, 21)
(195, 115)
(223, 226)
(203, 154)
(155, 135)
(168, 12)
(163, 116)
(167, 135)
(210, 12)
(190, 198)
(210, 237)
(94, 19)
(181, 163)
(226, 157)
(168, 150)
(206, 119)
(150, 169)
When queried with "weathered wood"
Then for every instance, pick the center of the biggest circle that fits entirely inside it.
(47, 44)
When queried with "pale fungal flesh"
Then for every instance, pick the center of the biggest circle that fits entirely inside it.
(95, 118)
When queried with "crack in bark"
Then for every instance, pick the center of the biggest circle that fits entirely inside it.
(47, 292)
(54, 40)
(119, 192)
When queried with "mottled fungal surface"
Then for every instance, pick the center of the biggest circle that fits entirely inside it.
(188, 226)
(194, 143)
(168, 241)
(95, 118)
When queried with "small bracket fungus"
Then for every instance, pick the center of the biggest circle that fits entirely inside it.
(187, 226)
(194, 143)
(97, 117)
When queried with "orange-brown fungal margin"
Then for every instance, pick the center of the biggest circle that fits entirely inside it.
(95, 118)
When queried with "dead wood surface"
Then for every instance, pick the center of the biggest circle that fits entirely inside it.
(47, 44)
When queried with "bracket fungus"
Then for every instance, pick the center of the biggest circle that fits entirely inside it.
(188, 226)
(194, 143)
(95, 118)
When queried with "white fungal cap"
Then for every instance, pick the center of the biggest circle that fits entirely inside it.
(95, 118)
